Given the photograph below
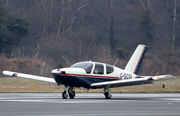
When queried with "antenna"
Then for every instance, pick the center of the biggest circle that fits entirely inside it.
(66, 59)
(116, 62)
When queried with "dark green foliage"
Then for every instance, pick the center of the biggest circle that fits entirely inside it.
(4, 34)
(146, 26)
(18, 27)
(2, 11)
(11, 31)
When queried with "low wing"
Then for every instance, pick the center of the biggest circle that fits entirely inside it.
(137, 81)
(28, 76)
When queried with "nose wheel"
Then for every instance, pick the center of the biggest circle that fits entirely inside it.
(70, 91)
(65, 94)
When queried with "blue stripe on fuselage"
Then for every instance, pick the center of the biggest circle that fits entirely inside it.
(80, 81)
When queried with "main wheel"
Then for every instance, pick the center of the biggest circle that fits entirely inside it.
(64, 95)
(107, 95)
(72, 94)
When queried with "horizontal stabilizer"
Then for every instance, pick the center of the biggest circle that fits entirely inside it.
(137, 81)
(34, 77)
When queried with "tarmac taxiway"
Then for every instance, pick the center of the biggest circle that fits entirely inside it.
(90, 104)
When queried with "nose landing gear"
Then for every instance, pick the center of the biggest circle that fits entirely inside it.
(65, 93)
(70, 92)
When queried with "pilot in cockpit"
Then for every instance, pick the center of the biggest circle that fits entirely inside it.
(95, 71)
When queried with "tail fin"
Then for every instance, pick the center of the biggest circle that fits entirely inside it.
(135, 63)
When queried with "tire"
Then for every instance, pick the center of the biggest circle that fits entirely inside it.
(64, 95)
(72, 95)
(107, 95)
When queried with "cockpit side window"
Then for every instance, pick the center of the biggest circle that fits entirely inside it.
(109, 69)
(99, 69)
(89, 68)
(85, 65)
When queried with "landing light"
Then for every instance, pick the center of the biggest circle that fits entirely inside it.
(155, 78)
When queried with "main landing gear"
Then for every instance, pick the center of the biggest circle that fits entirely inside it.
(107, 93)
(70, 92)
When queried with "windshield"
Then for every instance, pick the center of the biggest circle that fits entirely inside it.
(87, 66)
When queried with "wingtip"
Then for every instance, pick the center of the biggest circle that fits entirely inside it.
(169, 77)
(4, 72)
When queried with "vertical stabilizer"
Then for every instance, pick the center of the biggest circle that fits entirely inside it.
(135, 63)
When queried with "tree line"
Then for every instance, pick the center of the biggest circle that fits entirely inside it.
(90, 29)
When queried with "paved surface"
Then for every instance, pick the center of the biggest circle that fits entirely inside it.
(89, 104)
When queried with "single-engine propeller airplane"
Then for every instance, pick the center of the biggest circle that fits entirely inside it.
(92, 75)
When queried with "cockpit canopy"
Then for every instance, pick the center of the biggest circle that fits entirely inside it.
(87, 66)
(99, 68)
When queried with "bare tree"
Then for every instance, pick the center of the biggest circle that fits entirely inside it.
(47, 13)
(176, 2)
(147, 4)
(112, 41)
(65, 18)
(69, 7)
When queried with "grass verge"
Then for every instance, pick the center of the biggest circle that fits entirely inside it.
(20, 85)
